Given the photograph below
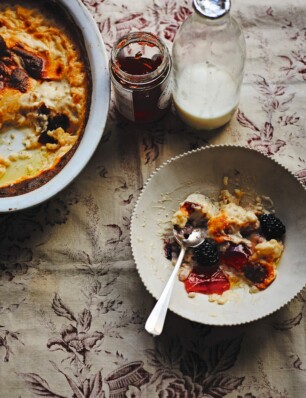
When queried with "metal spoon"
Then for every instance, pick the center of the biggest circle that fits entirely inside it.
(155, 322)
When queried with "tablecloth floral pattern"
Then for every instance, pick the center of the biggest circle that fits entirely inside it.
(72, 307)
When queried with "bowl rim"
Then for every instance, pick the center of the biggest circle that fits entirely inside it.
(134, 216)
(97, 118)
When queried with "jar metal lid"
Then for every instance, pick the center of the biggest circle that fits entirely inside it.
(212, 8)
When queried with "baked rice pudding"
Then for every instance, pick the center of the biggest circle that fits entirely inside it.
(45, 88)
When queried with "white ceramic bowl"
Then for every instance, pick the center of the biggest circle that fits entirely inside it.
(98, 61)
(203, 171)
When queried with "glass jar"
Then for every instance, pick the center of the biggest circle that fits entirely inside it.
(140, 71)
(208, 59)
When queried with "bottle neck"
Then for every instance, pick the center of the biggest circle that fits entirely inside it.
(217, 22)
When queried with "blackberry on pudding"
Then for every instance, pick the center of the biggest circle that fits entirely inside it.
(271, 226)
(207, 253)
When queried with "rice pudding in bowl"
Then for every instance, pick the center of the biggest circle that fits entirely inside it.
(243, 244)
(262, 182)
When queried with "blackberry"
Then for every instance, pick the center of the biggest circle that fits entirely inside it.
(256, 273)
(271, 226)
(168, 250)
(207, 253)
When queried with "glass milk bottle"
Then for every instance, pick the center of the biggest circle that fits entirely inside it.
(208, 61)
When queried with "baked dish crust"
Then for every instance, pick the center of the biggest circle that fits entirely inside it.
(45, 87)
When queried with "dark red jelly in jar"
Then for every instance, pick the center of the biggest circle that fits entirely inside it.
(140, 71)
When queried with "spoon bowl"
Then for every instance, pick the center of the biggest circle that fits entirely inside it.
(189, 239)
(185, 239)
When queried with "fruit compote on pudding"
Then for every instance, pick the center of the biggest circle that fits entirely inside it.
(243, 244)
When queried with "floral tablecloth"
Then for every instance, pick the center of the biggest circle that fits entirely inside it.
(72, 306)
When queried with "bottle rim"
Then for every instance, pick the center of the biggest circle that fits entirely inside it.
(212, 9)
(149, 39)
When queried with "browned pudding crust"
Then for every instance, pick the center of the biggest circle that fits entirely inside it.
(45, 87)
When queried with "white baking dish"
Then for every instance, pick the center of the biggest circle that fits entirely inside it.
(100, 96)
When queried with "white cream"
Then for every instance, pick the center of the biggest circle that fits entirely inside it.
(205, 209)
(54, 94)
(271, 249)
(239, 216)
(206, 96)
(31, 42)
(35, 44)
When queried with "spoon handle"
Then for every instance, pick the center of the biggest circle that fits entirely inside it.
(155, 322)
